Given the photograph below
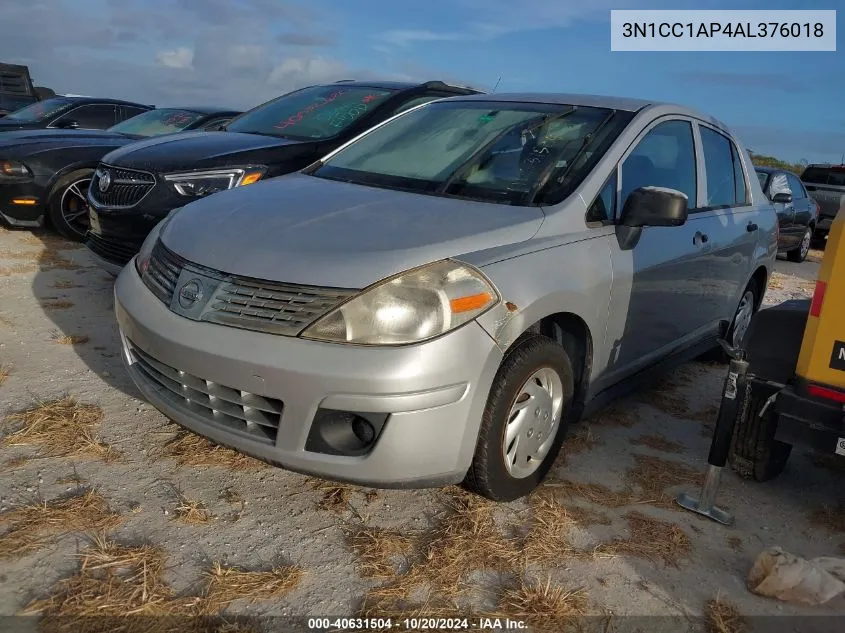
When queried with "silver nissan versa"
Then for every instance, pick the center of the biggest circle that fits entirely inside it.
(436, 301)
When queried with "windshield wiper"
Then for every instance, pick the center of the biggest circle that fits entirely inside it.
(547, 172)
(461, 171)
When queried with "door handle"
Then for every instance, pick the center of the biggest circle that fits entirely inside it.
(700, 238)
(751, 227)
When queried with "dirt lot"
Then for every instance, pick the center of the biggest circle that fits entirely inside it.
(106, 508)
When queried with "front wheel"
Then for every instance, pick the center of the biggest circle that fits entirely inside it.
(524, 422)
(68, 205)
(799, 254)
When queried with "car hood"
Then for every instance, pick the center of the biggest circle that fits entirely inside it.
(33, 142)
(307, 230)
(196, 150)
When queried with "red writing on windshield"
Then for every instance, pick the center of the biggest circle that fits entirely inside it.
(369, 98)
(178, 118)
(296, 118)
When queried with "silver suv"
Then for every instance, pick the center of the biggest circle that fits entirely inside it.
(437, 300)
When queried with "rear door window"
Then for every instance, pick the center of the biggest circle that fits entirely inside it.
(719, 165)
(92, 117)
(795, 187)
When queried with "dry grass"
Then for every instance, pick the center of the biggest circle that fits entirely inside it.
(227, 584)
(335, 494)
(466, 540)
(831, 518)
(550, 525)
(32, 526)
(580, 441)
(17, 269)
(615, 415)
(64, 284)
(659, 443)
(230, 496)
(707, 415)
(56, 305)
(721, 616)
(777, 280)
(735, 543)
(379, 551)
(595, 493)
(665, 398)
(72, 339)
(189, 449)
(544, 607)
(62, 428)
(4, 374)
(654, 475)
(15, 462)
(192, 512)
(650, 539)
(122, 588)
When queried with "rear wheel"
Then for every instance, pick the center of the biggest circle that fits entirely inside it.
(524, 422)
(755, 453)
(68, 205)
(799, 254)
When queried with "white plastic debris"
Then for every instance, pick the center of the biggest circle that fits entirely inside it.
(779, 574)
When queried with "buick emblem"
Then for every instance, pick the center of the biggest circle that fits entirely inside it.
(190, 293)
(104, 181)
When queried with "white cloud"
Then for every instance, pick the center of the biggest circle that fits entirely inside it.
(181, 57)
(404, 37)
(301, 70)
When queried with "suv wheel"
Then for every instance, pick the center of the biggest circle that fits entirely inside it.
(525, 421)
(799, 254)
(68, 205)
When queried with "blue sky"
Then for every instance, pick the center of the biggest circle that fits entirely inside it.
(241, 52)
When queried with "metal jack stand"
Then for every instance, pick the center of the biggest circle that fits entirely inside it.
(733, 394)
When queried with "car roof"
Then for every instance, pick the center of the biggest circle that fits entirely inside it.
(202, 109)
(82, 100)
(409, 85)
(598, 101)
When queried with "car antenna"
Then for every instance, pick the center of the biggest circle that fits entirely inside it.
(498, 81)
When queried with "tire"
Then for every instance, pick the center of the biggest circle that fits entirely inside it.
(819, 240)
(68, 198)
(717, 354)
(490, 475)
(799, 254)
(755, 453)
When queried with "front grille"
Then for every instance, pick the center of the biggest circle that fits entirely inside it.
(110, 250)
(163, 272)
(127, 187)
(238, 411)
(250, 304)
(271, 307)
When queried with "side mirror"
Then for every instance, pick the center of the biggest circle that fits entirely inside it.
(655, 206)
(782, 198)
(68, 124)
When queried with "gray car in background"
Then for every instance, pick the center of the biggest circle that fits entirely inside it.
(826, 184)
(437, 300)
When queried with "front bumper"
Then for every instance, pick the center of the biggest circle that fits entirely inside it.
(433, 394)
(21, 215)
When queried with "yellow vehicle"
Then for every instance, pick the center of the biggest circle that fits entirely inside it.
(796, 377)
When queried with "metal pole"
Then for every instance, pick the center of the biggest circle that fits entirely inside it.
(733, 397)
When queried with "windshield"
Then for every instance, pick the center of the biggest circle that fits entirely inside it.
(497, 152)
(763, 177)
(157, 122)
(40, 110)
(318, 112)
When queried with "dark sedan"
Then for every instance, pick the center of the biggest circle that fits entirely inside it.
(797, 212)
(137, 186)
(45, 173)
(72, 113)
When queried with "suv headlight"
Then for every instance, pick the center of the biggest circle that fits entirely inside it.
(411, 307)
(196, 184)
(142, 259)
(14, 169)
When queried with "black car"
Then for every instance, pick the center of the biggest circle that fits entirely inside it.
(72, 113)
(797, 212)
(826, 184)
(47, 172)
(136, 186)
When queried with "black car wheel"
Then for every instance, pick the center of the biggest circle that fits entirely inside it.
(525, 421)
(68, 205)
(799, 254)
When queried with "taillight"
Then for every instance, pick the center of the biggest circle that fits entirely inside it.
(827, 394)
(818, 299)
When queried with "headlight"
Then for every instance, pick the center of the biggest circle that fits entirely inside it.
(14, 169)
(142, 259)
(202, 183)
(411, 307)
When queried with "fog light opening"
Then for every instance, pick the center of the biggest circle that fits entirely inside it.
(344, 432)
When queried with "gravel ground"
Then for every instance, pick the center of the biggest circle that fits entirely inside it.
(617, 472)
